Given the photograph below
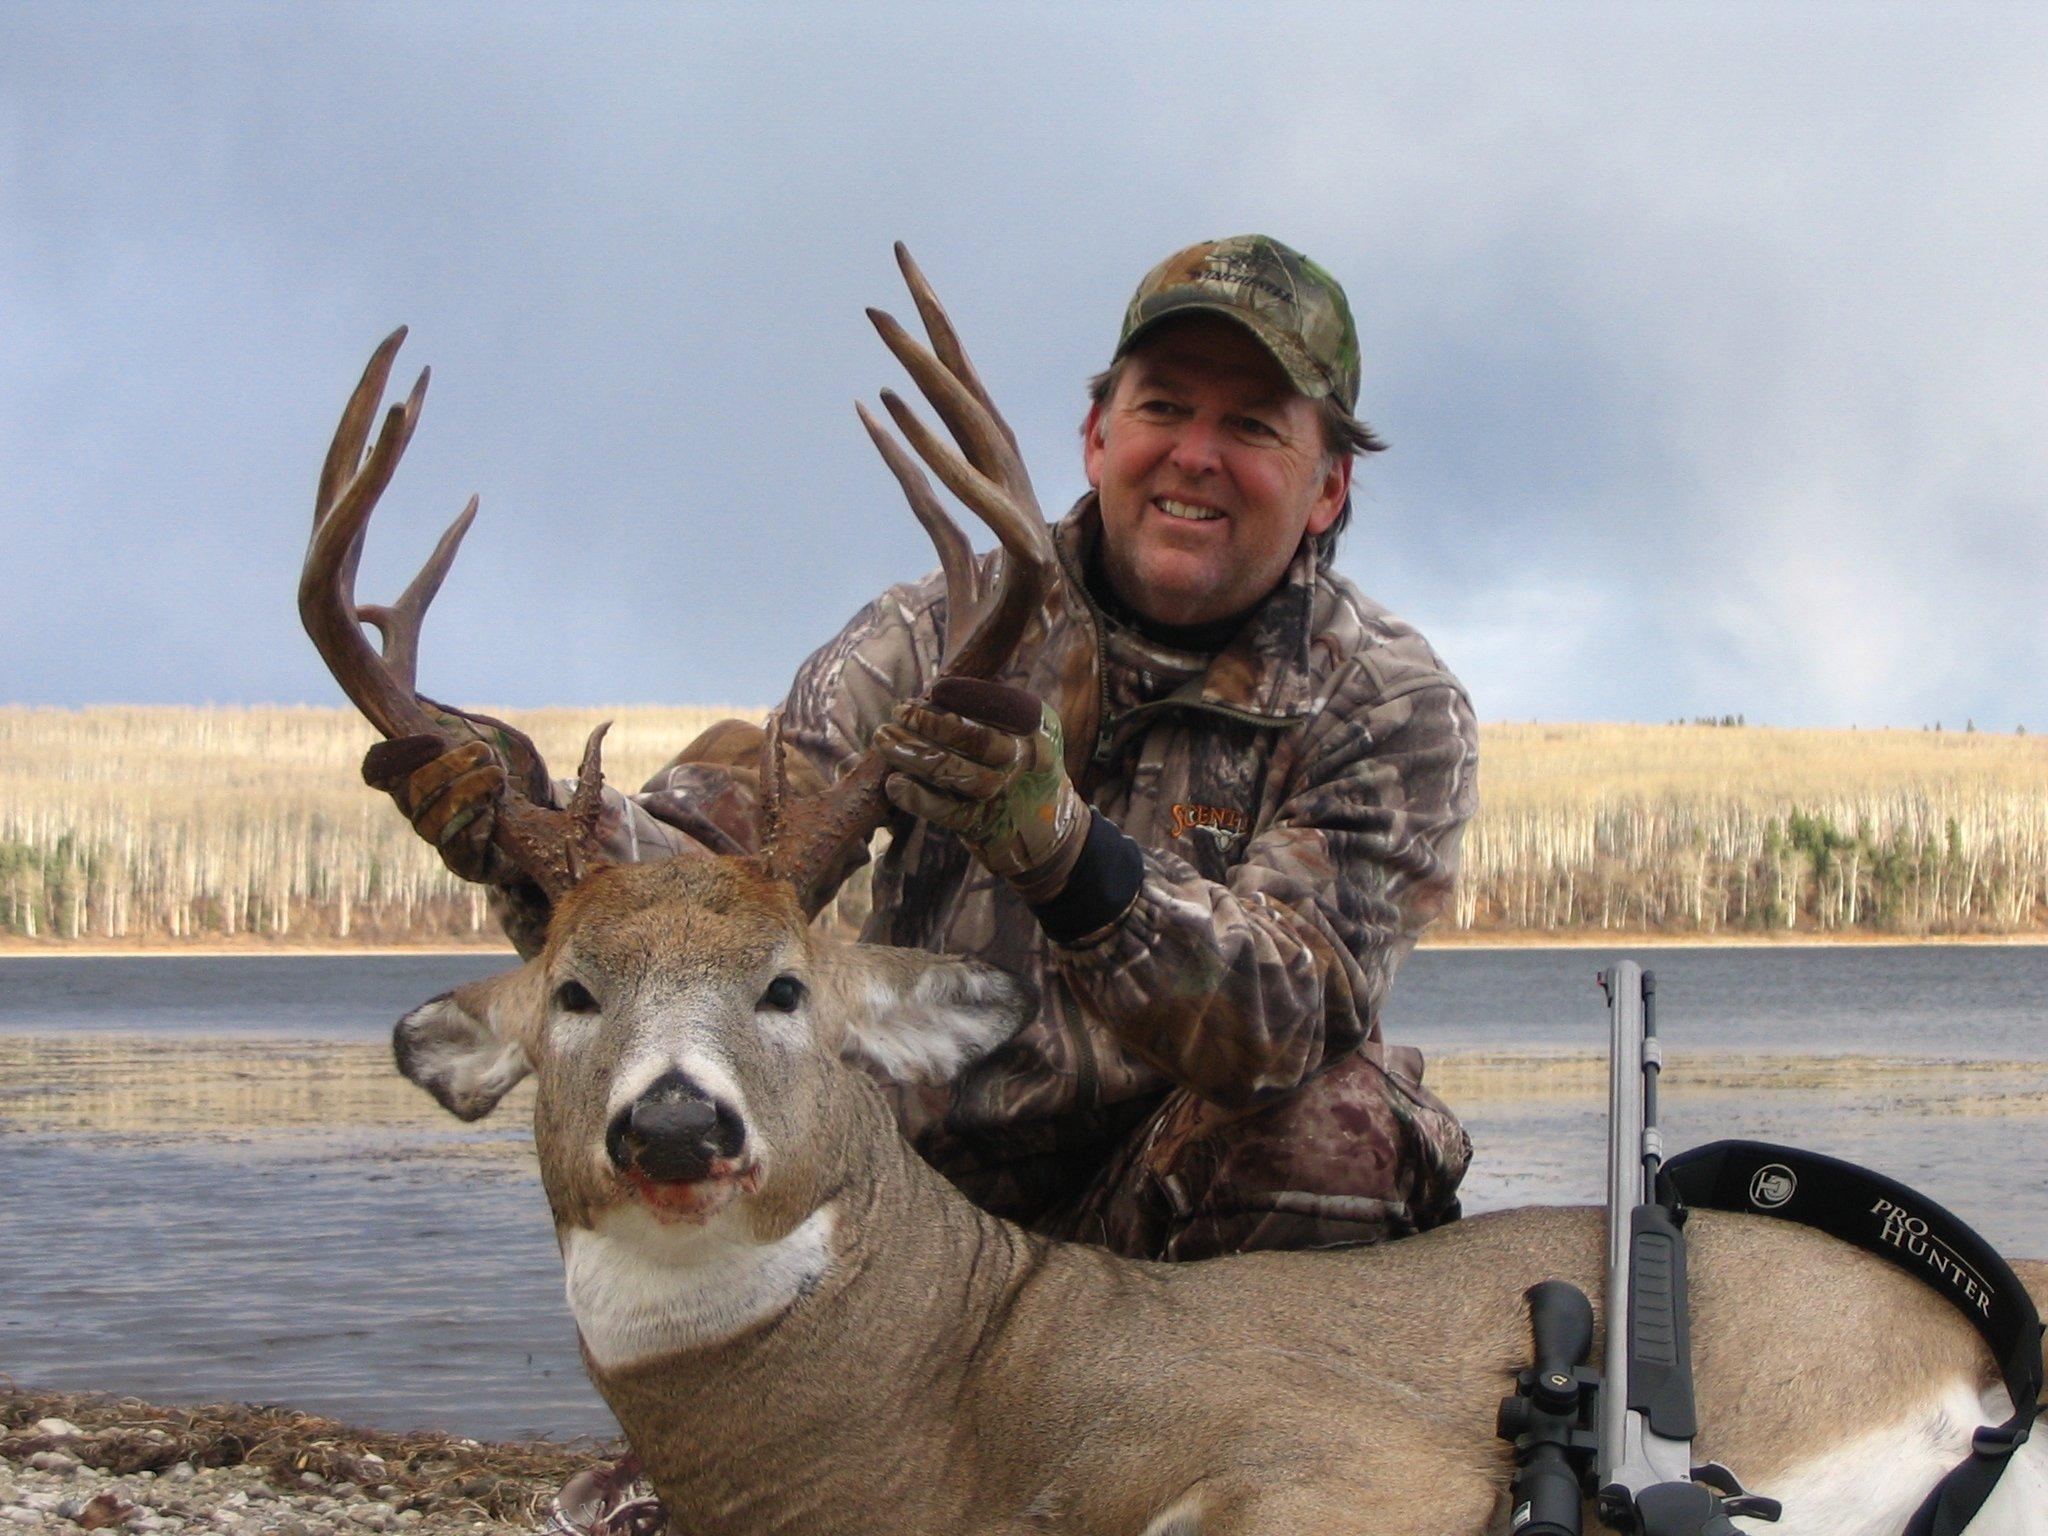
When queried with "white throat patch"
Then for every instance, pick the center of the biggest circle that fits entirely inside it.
(640, 1288)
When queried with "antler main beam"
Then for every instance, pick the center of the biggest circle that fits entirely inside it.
(379, 682)
(552, 847)
(804, 842)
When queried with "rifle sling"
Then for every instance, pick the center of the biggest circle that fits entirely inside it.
(1885, 1218)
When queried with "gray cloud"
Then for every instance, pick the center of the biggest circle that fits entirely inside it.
(1708, 339)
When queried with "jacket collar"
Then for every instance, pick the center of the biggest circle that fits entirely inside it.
(1264, 669)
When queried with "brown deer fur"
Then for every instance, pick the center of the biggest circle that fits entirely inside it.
(826, 1337)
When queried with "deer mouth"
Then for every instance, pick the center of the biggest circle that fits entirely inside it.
(693, 1200)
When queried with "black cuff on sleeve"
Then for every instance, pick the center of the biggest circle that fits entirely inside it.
(1102, 887)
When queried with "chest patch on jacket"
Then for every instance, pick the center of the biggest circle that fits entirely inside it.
(1222, 823)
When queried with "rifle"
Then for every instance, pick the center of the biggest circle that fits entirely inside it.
(1645, 1474)
(1628, 1434)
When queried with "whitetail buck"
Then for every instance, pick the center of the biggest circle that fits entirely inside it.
(803, 1328)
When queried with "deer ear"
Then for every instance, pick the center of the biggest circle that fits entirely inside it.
(921, 1017)
(467, 1047)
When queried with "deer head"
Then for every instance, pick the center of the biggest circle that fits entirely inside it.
(684, 1025)
(687, 1030)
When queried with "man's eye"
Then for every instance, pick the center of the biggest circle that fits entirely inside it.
(574, 997)
(1157, 410)
(783, 994)
(1251, 426)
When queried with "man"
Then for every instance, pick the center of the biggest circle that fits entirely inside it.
(1271, 814)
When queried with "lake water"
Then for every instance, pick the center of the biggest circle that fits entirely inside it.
(213, 1184)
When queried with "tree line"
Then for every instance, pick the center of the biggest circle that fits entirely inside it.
(168, 825)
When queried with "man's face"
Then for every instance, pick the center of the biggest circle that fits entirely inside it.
(1210, 468)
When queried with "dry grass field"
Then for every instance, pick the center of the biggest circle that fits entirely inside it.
(125, 824)
(174, 825)
(1712, 830)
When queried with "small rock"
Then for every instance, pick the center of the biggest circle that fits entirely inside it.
(14, 1514)
(57, 1429)
(408, 1517)
(103, 1510)
(180, 1472)
(54, 1461)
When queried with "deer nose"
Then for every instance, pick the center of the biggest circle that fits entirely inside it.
(674, 1131)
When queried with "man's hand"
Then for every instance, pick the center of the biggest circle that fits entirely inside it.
(988, 762)
(449, 795)
(449, 786)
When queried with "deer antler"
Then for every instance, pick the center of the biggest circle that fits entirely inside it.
(554, 847)
(804, 842)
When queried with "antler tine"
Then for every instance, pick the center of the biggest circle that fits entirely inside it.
(956, 555)
(588, 800)
(345, 453)
(774, 782)
(327, 580)
(974, 425)
(946, 342)
(399, 624)
(1029, 563)
(557, 849)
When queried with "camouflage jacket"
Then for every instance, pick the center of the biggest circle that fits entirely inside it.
(1299, 797)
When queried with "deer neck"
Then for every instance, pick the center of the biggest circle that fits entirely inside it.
(826, 1365)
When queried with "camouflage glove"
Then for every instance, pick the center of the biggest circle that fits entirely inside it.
(450, 793)
(987, 761)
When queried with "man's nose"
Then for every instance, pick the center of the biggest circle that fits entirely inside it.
(1198, 446)
(673, 1131)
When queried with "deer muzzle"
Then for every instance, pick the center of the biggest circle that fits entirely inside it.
(675, 1132)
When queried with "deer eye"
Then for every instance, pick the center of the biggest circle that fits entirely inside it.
(574, 997)
(783, 994)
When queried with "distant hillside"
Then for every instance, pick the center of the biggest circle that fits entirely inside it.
(137, 825)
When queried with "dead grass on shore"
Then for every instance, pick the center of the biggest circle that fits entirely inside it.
(226, 825)
(423, 1470)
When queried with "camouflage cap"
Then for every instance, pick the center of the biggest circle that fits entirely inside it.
(1295, 308)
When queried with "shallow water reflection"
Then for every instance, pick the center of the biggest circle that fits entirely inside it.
(230, 1214)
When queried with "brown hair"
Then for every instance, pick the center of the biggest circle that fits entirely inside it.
(1343, 434)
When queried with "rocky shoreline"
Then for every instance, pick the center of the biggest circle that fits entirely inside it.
(70, 1462)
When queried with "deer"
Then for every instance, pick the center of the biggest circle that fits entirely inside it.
(801, 1327)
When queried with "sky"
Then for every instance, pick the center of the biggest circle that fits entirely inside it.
(1711, 342)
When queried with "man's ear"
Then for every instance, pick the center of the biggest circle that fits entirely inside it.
(1331, 495)
(917, 1016)
(1093, 445)
(467, 1047)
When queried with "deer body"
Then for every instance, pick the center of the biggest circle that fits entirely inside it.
(805, 1329)
(1009, 1384)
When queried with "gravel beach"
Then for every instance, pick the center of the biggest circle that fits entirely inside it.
(70, 1462)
